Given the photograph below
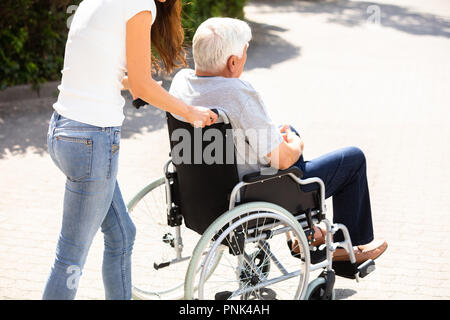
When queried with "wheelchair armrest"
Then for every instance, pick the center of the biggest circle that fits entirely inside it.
(257, 177)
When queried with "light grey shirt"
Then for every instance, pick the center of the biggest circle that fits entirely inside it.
(254, 132)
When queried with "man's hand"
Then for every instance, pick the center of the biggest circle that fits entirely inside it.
(289, 150)
(290, 136)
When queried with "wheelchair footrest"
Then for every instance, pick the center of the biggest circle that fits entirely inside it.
(260, 294)
(158, 266)
(223, 295)
(366, 267)
(348, 270)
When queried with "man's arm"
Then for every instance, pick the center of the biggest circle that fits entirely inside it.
(281, 147)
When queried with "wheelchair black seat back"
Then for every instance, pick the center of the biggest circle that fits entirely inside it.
(201, 190)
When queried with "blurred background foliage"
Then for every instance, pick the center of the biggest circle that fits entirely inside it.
(33, 34)
(197, 11)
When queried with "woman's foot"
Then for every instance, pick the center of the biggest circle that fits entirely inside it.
(363, 253)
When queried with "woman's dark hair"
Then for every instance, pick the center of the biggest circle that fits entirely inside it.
(168, 36)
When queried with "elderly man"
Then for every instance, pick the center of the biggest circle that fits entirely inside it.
(220, 52)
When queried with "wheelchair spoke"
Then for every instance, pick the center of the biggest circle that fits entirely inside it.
(250, 250)
(151, 246)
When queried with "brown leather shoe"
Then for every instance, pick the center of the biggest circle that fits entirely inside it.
(363, 253)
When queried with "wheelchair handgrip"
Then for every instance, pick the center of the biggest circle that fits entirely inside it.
(222, 115)
(139, 103)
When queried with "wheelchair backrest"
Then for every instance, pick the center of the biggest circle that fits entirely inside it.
(206, 171)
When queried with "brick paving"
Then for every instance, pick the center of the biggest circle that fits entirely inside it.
(341, 81)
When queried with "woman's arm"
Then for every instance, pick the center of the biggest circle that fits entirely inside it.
(140, 81)
(126, 86)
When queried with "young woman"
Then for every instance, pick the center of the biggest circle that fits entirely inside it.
(106, 39)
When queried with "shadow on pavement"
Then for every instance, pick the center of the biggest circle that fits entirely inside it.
(24, 125)
(344, 293)
(354, 14)
(267, 48)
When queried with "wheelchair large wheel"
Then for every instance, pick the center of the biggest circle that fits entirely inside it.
(155, 246)
(256, 262)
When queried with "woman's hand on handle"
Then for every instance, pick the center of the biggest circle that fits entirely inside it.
(200, 117)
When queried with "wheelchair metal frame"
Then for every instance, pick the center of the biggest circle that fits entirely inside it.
(234, 200)
(281, 221)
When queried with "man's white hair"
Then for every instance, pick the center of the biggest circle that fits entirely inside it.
(216, 40)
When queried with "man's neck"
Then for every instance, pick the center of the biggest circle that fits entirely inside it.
(199, 73)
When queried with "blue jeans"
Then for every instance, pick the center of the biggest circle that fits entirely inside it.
(344, 174)
(88, 156)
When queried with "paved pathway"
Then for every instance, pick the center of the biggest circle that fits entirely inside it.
(329, 69)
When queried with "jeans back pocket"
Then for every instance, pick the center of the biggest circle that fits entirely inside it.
(74, 156)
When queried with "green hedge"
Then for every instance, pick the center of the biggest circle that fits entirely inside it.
(33, 34)
(197, 11)
(32, 40)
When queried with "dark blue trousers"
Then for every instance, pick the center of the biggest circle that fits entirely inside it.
(344, 174)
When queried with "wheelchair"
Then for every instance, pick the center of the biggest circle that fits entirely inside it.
(202, 233)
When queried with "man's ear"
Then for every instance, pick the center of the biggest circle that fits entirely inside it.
(232, 64)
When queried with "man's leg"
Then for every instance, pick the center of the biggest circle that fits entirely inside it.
(344, 175)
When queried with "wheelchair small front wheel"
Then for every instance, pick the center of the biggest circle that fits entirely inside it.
(256, 262)
(316, 290)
